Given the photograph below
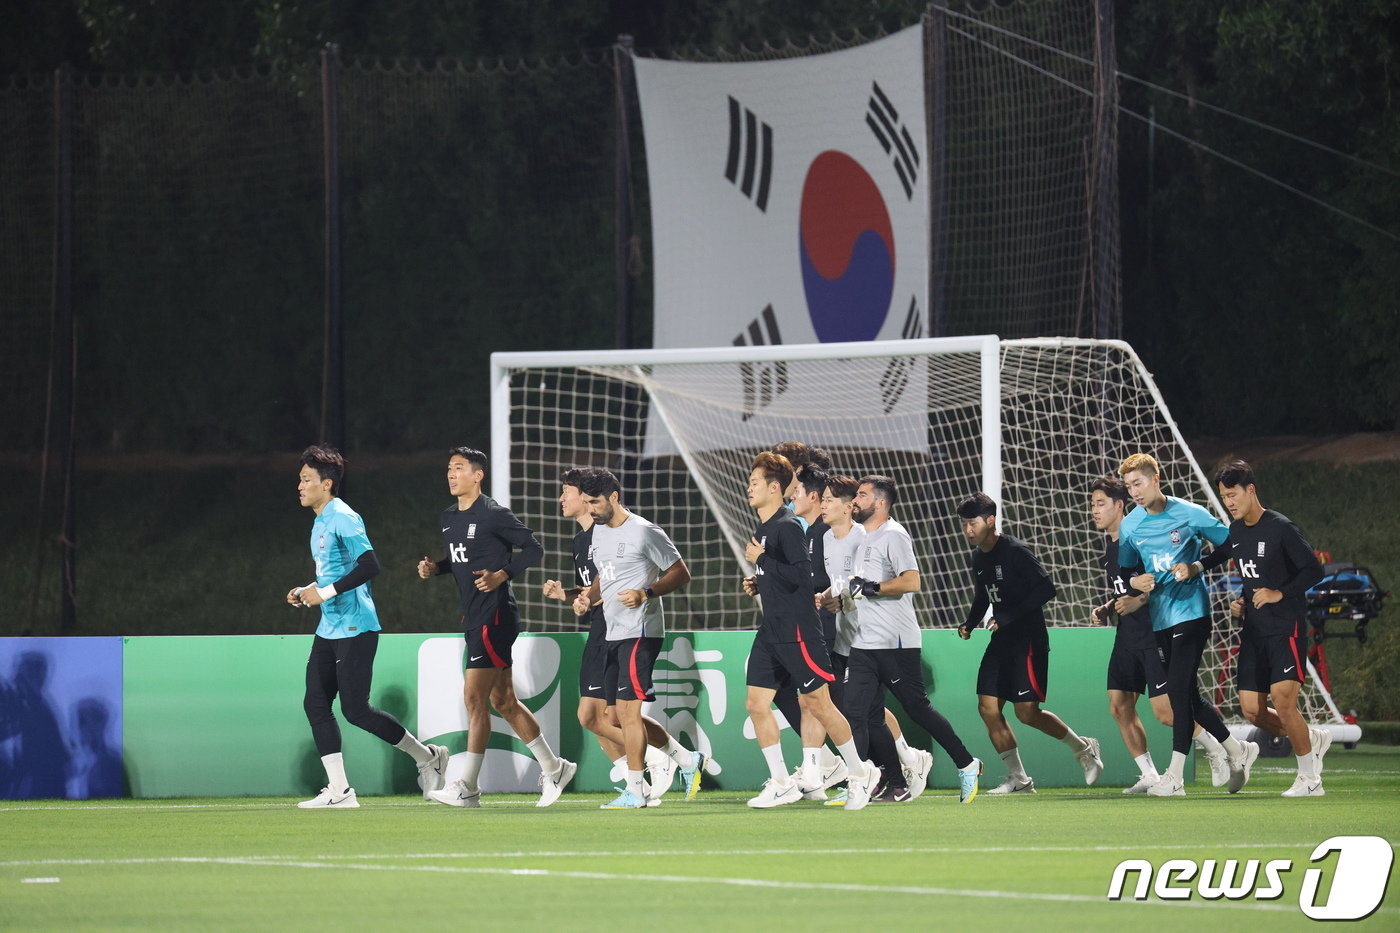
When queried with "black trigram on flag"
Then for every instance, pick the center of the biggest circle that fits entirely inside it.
(896, 377)
(883, 121)
(763, 381)
(752, 143)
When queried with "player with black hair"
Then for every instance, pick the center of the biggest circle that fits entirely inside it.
(487, 547)
(1007, 578)
(1277, 566)
(341, 662)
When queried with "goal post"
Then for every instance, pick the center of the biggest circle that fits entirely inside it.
(1031, 422)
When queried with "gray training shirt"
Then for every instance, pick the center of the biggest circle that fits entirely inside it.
(842, 555)
(886, 621)
(631, 556)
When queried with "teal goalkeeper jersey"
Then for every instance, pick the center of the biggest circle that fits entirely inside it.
(337, 540)
(1156, 542)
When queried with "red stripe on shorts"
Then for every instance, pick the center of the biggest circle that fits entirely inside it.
(632, 671)
(824, 675)
(1030, 672)
(1293, 646)
(486, 640)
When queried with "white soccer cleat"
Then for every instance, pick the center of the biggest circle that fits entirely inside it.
(860, 787)
(1239, 767)
(432, 774)
(1305, 785)
(775, 794)
(551, 786)
(1090, 761)
(1142, 785)
(1219, 768)
(328, 799)
(916, 777)
(809, 784)
(835, 774)
(663, 774)
(458, 794)
(1168, 785)
(1013, 785)
(1321, 741)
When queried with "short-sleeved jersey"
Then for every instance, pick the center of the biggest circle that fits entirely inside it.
(1135, 628)
(487, 536)
(816, 535)
(784, 578)
(1156, 542)
(1273, 554)
(841, 556)
(886, 621)
(584, 574)
(337, 540)
(1010, 580)
(632, 556)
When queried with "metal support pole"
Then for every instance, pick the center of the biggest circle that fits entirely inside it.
(624, 83)
(333, 373)
(65, 342)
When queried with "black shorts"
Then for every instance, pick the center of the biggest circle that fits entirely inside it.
(1016, 672)
(593, 678)
(797, 665)
(629, 665)
(1137, 670)
(1265, 660)
(489, 646)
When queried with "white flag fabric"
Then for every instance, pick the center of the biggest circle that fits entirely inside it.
(789, 199)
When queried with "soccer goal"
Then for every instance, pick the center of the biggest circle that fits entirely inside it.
(1030, 422)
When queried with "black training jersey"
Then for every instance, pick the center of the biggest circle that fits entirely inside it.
(816, 553)
(1011, 580)
(486, 536)
(1135, 628)
(785, 581)
(584, 572)
(1273, 554)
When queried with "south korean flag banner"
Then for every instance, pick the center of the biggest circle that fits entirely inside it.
(789, 199)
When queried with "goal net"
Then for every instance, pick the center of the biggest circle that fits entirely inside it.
(1031, 422)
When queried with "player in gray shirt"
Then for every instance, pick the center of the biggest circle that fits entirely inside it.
(886, 650)
(637, 565)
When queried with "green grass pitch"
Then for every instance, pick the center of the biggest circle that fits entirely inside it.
(1038, 863)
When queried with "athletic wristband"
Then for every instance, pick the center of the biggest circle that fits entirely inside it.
(326, 592)
(651, 594)
(1198, 567)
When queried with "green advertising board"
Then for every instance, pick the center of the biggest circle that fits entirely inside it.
(222, 715)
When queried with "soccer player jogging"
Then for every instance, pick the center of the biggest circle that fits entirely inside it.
(1277, 566)
(1009, 579)
(487, 547)
(637, 565)
(788, 649)
(1166, 534)
(597, 710)
(886, 650)
(347, 637)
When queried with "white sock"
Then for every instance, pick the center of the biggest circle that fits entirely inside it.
(335, 772)
(420, 752)
(1012, 757)
(549, 762)
(1307, 765)
(1232, 747)
(827, 759)
(636, 783)
(1178, 766)
(777, 768)
(472, 773)
(1315, 762)
(1209, 743)
(1145, 765)
(679, 753)
(811, 764)
(1075, 743)
(653, 757)
(906, 754)
(848, 754)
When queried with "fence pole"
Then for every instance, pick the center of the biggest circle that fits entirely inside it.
(64, 378)
(624, 83)
(936, 100)
(333, 372)
(1108, 315)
